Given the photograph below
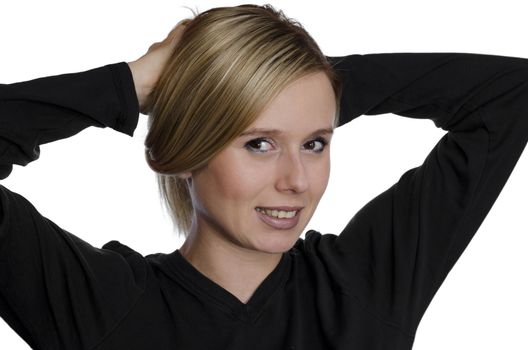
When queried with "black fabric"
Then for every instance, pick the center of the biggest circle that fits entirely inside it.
(364, 288)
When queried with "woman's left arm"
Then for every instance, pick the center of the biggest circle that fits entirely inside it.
(397, 250)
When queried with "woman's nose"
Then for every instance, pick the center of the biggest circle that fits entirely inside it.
(292, 173)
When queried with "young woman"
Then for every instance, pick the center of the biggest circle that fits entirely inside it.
(242, 105)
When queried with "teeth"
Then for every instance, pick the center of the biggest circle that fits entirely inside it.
(278, 213)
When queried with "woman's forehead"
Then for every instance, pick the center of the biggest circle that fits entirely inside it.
(308, 102)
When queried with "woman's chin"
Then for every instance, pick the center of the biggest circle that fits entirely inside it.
(276, 245)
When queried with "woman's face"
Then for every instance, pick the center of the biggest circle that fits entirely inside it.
(286, 168)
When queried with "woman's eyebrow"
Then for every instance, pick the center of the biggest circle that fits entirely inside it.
(274, 132)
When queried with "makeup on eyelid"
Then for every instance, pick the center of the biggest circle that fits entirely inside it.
(321, 140)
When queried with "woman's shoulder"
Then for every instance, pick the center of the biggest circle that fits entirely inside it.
(134, 259)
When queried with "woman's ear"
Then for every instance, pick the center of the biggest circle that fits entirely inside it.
(185, 176)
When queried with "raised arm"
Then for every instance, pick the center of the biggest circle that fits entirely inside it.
(56, 290)
(48, 109)
(48, 275)
(397, 250)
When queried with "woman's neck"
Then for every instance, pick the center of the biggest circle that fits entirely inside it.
(236, 269)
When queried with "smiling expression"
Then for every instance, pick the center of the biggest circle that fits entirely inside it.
(282, 159)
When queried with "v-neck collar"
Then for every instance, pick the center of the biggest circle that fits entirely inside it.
(248, 312)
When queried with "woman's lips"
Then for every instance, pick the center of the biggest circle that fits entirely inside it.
(279, 223)
(283, 208)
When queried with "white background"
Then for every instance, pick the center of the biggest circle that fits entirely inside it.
(98, 186)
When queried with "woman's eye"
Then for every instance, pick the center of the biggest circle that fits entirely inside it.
(256, 145)
(263, 145)
(314, 145)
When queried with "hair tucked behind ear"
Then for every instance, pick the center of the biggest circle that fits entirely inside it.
(229, 64)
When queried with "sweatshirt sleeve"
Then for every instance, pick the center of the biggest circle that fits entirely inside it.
(397, 250)
(56, 290)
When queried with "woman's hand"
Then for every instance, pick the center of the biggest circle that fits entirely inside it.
(147, 69)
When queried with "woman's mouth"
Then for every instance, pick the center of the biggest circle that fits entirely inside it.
(279, 219)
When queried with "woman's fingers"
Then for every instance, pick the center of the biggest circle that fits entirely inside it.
(147, 69)
(172, 38)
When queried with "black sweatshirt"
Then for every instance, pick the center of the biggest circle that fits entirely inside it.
(365, 288)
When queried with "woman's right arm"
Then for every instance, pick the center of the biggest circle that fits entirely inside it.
(56, 290)
(52, 108)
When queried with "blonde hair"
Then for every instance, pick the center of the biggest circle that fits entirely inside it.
(229, 64)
